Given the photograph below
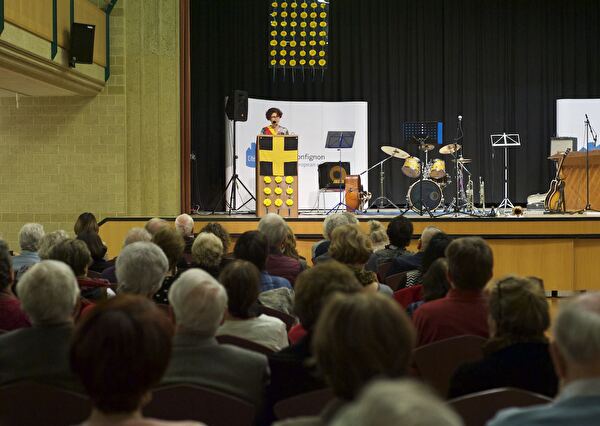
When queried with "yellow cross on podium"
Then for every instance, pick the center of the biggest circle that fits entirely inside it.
(278, 156)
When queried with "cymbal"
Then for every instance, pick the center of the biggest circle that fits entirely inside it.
(463, 160)
(426, 147)
(450, 148)
(394, 152)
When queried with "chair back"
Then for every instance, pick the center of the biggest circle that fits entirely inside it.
(34, 404)
(244, 343)
(190, 402)
(437, 361)
(94, 274)
(478, 408)
(408, 295)
(382, 270)
(396, 281)
(306, 404)
(288, 319)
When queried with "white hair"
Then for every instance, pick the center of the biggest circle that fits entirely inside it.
(337, 219)
(274, 228)
(577, 329)
(199, 302)
(427, 235)
(136, 234)
(184, 224)
(30, 236)
(403, 401)
(141, 268)
(155, 224)
(49, 292)
(207, 249)
(50, 240)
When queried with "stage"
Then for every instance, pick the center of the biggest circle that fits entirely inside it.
(561, 249)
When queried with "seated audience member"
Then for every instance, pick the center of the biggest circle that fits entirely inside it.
(378, 236)
(49, 240)
(464, 309)
(141, 269)
(352, 247)
(119, 352)
(86, 222)
(241, 279)
(291, 373)
(289, 248)
(133, 235)
(49, 295)
(219, 231)
(379, 405)
(254, 247)
(408, 263)
(275, 229)
(29, 241)
(172, 245)
(435, 284)
(97, 251)
(576, 356)
(11, 314)
(435, 249)
(199, 302)
(155, 224)
(399, 232)
(517, 354)
(76, 254)
(184, 224)
(320, 249)
(358, 338)
(207, 253)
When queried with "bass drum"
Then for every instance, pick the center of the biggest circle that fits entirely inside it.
(432, 195)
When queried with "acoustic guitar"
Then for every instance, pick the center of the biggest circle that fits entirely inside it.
(555, 197)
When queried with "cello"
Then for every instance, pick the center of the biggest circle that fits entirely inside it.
(355, 196)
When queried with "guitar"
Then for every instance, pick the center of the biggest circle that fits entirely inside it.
(555, 197)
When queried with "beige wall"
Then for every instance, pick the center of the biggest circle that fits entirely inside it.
(113, 154)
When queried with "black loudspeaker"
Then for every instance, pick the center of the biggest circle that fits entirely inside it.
(331, 175)
(237, 106)
(82, 44)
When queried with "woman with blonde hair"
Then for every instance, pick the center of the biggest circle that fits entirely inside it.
(516, 354)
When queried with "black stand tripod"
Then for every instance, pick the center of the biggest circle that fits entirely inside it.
(589, 130)
(233, 182)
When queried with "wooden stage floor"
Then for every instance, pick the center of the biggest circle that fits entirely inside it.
(564, 250)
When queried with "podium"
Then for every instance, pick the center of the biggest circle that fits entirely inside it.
(277, 175)
(574, 175)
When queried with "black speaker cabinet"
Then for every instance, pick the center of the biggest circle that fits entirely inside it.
(82, 44)
(331, 175)
(237, 106)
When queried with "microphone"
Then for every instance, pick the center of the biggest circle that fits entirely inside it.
(460, 118)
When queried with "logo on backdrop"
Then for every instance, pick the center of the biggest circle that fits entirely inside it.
(251, 156)
(308, 160)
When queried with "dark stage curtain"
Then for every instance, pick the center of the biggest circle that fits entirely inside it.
(501, 64)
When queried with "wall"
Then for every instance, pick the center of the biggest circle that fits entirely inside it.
(113, 154)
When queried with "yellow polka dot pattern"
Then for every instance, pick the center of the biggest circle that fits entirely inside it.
(276, 195)
(310, 43)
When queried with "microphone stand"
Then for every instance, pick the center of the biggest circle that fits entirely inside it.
(588, 130)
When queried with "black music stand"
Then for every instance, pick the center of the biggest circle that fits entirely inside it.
(339, 140)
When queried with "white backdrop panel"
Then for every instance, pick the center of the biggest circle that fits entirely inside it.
(570, 117)
(310, 121)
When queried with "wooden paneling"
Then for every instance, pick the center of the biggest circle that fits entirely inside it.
(574, 173)
(33, 16)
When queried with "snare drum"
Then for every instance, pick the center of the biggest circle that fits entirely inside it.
(412, 167)
(432, 195)
(438, 169)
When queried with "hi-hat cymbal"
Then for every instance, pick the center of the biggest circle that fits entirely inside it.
(450, 148)
(395, 152)
(463, 160)
(426, 147)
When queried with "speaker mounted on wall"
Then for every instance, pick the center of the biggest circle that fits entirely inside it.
(81, 50)
(236, 107)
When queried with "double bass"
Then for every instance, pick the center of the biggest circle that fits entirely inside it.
(355, 196)
(555, 197)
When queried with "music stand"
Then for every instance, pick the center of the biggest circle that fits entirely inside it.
(505, 141)
(339, 140)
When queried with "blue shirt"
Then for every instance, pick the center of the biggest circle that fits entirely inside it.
(271, 282)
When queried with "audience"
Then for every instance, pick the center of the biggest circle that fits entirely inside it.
(464, 309)
(97, 250)
(289, 248)
(207, 253)
(133, 235)
(435, 284)
(380, 405)
(219, 231)
(378, 236)
(576, 356)
(49, 295)
(184, 224)
(435, 249)
(275, 229)
(517, 353)
(30, 236)
(320, 249)
(359, 338)
(199, 302)
(172, 244)
(399, 232)
(119, 352)
(86, 222)
(49, 240)
(11, 314)
(405, 263)
(241, 279)
(352, 247)
(155, 224)
(141, 268)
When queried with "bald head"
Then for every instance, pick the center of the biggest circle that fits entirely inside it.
(184, 224)
(155, 224)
